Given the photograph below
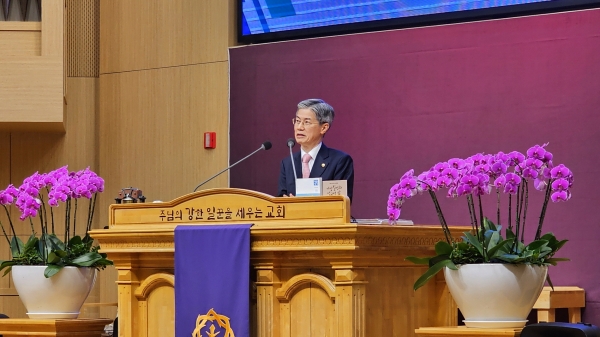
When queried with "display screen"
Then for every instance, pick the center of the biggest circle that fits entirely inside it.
(271, 20)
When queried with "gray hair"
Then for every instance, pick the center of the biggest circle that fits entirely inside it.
(322, 110)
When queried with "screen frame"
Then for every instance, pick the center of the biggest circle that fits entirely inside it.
(415, 21)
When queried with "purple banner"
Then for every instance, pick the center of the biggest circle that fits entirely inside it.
(212, 280)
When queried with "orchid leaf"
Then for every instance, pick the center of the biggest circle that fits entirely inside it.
(553, 261)
(493, 240)
(443, 247)
(487, 235)
(76, 240)
(509, 258)
(31, 242)
(61, 253)
(53, 258)
(510, 234)
(51, 270)
(520, 249)
(548, 236)
(7, 264)
(536, 244)
(104, 262)
(559, 245)
(16, 246)
(418, 260)
(434, 260)
(489, 225)
(55, 242)
(470, 238)
(86, 260)
(432, 271)
(87, 239)
(495, 250)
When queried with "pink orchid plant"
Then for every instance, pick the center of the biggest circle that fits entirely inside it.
(512, 173)
(38, 196)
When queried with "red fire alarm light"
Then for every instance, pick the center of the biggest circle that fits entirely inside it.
(210, 140)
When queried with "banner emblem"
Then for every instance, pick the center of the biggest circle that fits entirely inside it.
(213, 331)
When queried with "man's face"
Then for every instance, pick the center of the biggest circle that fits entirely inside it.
(307, 131)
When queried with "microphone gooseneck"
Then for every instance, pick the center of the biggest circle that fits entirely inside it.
(265, 146)
(291, 143)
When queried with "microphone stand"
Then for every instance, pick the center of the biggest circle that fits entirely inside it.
(227, 168)
(291, 144)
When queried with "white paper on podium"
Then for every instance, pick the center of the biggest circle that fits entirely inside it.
(309, 187)
(399, 222)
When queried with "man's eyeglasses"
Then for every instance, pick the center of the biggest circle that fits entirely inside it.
(305, 123)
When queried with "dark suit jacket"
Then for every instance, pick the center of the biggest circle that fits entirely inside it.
(338, 166)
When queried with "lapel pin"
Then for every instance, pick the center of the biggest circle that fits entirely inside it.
(323, 165)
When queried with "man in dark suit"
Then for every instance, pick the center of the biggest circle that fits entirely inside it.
(313, 119)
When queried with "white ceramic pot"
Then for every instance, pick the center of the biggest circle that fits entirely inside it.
(495, 295)
(60, 296)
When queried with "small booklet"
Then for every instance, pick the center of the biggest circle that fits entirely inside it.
(309, 187)
(335, 187)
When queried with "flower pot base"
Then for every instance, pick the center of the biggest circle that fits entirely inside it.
(495, 324)
(53, 315)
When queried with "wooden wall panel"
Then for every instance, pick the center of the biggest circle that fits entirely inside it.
(20, 38)
(17, 42)
(151, 129)
(53, 27)
(82, 30)
(31, 92)
(146, 34)
(106, 295)
(12, 306)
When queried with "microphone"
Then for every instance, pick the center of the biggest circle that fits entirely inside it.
(291, 143)
(265, 146)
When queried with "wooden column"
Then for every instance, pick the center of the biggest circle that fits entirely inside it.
(268, 308)
(127, 284)
(350, 288)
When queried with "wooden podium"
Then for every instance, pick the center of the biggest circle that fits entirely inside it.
(315, 272)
